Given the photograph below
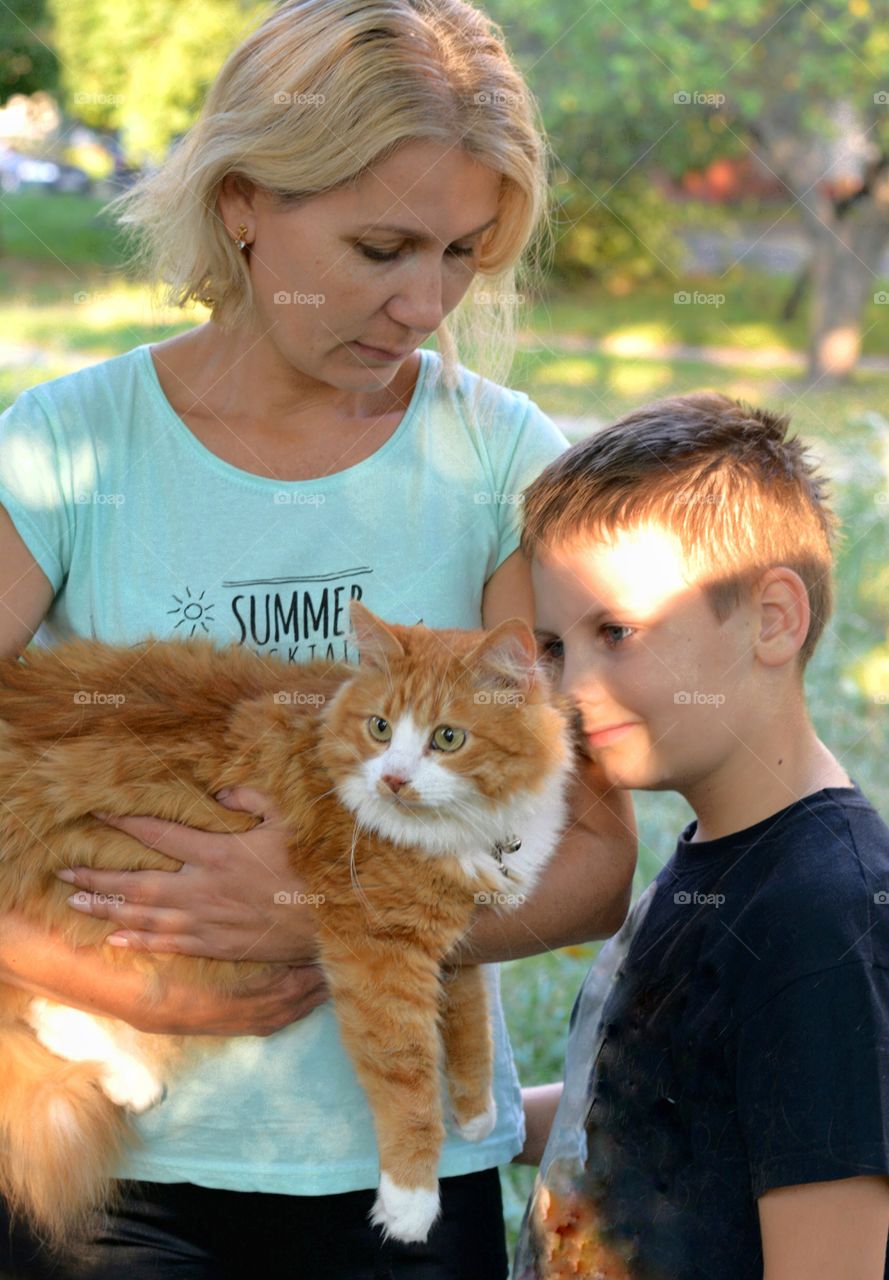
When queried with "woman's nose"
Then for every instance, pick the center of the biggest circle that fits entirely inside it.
(420, 303)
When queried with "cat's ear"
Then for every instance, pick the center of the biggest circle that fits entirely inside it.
(506, 656)
(377, 645)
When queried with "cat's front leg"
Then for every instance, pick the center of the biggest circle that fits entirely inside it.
(469, 1051)
(385, 995)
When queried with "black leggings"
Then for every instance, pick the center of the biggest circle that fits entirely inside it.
(178, 1231)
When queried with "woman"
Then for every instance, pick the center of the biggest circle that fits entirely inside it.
(357, 172)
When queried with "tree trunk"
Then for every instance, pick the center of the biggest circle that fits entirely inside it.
(844, 270)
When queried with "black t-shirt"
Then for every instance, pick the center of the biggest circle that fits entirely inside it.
(733, 1037)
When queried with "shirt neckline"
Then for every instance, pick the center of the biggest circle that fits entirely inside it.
(230, 471)
(691, 853)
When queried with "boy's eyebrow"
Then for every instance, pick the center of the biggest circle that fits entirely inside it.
(412, 233)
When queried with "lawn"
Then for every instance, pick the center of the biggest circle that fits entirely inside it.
(59, 292)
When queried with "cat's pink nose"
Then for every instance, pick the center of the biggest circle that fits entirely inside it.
(393, 781)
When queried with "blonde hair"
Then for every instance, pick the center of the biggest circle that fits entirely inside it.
(319, 92)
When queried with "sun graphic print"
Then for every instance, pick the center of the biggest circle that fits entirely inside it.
(195, 612)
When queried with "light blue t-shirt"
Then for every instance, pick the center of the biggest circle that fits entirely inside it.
(142, 531)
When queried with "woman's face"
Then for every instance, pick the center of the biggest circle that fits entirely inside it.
(375, 265)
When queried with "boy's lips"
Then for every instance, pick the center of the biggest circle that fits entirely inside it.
(609, 733)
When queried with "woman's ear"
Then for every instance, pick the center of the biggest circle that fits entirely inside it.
(235, 202)
(782, 601)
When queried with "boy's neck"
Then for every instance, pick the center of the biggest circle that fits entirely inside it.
(755, 784)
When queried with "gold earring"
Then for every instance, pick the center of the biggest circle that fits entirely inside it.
(240, 241)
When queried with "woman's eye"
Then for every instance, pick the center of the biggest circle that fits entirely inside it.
(380, 255)
(614, 634)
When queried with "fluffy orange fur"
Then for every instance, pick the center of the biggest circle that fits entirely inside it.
(157, 729)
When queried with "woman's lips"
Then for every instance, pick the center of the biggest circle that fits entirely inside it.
(374, 353)
(611, 733)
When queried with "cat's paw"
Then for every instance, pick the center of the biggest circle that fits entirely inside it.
(403, 1213)
(478, 1127)
(131, 1085)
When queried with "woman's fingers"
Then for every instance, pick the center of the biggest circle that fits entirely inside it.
(139, 888)
(113, 906)
(186, 844)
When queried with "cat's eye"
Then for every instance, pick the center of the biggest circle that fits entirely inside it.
(379, 728)
(447, 739)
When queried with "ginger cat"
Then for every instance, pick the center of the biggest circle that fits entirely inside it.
(411, 783)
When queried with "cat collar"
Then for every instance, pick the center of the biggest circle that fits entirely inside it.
(512, 845)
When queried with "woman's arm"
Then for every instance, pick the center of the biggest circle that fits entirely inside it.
(826, 1230)
(540, 1102)
(42, 962)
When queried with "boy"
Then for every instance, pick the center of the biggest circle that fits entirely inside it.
(725, 1112)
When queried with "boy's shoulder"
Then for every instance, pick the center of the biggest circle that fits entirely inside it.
(798, 894)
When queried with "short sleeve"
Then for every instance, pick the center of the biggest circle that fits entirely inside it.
(36, 486)
(538, 442)
(813, 1079)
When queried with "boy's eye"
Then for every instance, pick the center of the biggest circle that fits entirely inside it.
(614, 634)
(552, 650)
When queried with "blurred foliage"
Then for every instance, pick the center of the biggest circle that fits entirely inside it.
(143, 67)
(28, 61)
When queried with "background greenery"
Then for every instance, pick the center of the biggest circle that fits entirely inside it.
(64, 299)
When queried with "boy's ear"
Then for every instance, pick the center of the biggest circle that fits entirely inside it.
(506, 656)
(784, 616)
(377, 644)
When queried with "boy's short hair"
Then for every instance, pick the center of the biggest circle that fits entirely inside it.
(722, 475)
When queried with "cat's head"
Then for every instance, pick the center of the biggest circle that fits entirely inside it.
(445, 731)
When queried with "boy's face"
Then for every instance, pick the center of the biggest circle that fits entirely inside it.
(664, 690)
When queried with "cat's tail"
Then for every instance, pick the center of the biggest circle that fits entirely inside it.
(60, 1135)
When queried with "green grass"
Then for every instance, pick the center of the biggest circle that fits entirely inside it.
(57, 251)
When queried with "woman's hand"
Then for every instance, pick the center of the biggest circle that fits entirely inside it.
(266, 1003)
(42, 962)
(234, 897)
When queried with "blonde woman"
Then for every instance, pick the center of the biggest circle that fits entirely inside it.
(363, 177)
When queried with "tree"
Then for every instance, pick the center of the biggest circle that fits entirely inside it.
(672, 83)
(142, 67)
(27, 61)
